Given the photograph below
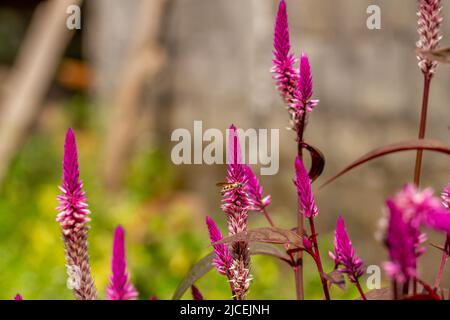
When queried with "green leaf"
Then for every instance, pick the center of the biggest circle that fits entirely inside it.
(199, 270)
(266, 235)
(335, 278)
(206, 264)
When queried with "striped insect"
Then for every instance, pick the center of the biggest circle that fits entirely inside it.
(228, 186)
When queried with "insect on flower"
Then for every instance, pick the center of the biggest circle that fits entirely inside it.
(228, 186)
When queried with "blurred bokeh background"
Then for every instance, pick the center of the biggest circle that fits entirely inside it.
(137, 70)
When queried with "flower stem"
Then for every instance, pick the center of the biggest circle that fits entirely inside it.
(300, 129)
(444, 258)
(300, 223)
(361, 291)
(267, 216)
(299, 281)
(423, 125)
(318, 259)
(298, 269)
(395, 289)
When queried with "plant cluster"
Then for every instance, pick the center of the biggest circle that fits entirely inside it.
(408, 213)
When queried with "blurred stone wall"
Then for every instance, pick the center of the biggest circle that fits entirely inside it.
(367, 81)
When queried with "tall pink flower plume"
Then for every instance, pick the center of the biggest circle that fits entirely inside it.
(285, 74)
(235, 201)
(255, 191)
(303, 94)
(306, 200)
(73, 218)
(401, 246)
(120, 287)
(422, 208)
(223, 259)
(18, 297)
(429, 21)
(73, 209)
(344, 253)
(235, 204)
(196, 294)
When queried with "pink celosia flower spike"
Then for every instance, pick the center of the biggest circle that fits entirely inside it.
(307, 203)
(255, 191)
(344, 253)
(235, 204)
(285, 74)
(304, 92)
(196, 294)
(302, 102)
(401, 244)
(73, 218)
(223, 259)
(429, 21)
(18, 297)
(120, 287)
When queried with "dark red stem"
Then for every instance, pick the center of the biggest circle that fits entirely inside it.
(361, 291)
(444, 258)
(395, 289)
(266, 214)
(423, 126)
(300, 224)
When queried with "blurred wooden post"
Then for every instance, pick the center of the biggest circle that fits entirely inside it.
(145, 60)
(32, 75)
(260, 51)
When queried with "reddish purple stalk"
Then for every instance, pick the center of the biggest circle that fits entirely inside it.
(120, 287)
(429, 21)
(196, 294)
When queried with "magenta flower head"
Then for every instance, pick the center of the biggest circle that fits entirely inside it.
(196, 294)
(344, 253)
(303, 94)
(401, 245)
(255, 191)
(429, 21)
(285, 74)
(235, 201)
(18, 297)
(120, 287)
(307, 203)
(223, 259)
(235, 204)
(73, 218)
(73, 209)
(422, 208)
